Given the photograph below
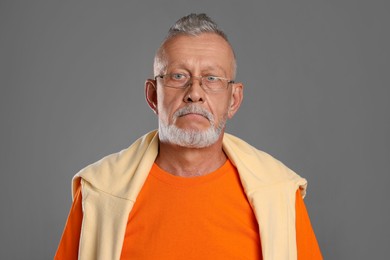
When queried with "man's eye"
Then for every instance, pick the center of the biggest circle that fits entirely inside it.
(178, 76)
(212, 78)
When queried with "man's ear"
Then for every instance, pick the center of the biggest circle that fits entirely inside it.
(236, 99)
(151, 94)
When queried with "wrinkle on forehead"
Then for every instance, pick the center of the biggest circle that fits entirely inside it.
(161, 57)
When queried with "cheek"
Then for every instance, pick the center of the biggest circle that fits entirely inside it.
(223, 105)
(220, 110)
(167, 105)
(229, 114)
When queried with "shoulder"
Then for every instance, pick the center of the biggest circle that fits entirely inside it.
(111, 173)
(258, 168)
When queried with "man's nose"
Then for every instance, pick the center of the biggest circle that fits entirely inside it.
(195, 92)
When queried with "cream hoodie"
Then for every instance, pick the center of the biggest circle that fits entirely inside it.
(111, 185)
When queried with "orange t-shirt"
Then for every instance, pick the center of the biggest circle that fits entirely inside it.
(205, 217)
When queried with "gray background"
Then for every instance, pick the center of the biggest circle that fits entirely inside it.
(316, 97)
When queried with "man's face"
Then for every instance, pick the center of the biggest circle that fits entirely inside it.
(193, 113)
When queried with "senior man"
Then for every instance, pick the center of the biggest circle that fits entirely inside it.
(190, 190)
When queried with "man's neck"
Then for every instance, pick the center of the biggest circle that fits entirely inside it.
(190, 162)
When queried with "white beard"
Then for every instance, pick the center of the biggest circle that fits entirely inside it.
(191, 138)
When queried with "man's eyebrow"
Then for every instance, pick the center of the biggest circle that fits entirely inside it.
(183, 65)
(215, 70)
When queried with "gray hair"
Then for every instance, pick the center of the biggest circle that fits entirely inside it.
(195, 24)
(191, 25)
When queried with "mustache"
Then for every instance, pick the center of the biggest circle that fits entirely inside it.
(194, 109)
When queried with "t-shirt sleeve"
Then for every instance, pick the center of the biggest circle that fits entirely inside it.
(307, 245)
(69, 244)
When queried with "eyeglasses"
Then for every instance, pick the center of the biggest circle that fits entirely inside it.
(181, 81)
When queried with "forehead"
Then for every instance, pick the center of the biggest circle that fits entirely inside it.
(205, 51)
